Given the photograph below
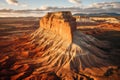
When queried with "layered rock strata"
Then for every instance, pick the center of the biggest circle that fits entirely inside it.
(61, 23)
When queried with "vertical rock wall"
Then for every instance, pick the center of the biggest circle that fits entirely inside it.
(61, 23)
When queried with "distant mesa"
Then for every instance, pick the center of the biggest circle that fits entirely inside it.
(62, 23)
(97, 18)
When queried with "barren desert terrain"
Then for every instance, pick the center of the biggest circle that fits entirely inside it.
(103, 31)
(29, 51)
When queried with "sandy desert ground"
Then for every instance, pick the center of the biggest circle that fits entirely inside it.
(16, 27)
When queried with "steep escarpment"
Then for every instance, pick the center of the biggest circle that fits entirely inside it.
(60, 23)
(58, 51)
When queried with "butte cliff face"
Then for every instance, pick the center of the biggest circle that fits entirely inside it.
(58, 51)
(61, 23)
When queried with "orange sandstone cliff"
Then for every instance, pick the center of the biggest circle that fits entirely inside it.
(61, 23)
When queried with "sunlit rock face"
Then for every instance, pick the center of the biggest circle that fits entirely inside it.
(61, 23)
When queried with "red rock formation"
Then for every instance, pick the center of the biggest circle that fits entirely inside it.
(61, 23)
(57, 51)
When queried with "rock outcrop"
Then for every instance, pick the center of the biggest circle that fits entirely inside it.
(61, 23)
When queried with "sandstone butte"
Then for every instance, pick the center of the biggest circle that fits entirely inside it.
(61, 23)
(57, 51)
